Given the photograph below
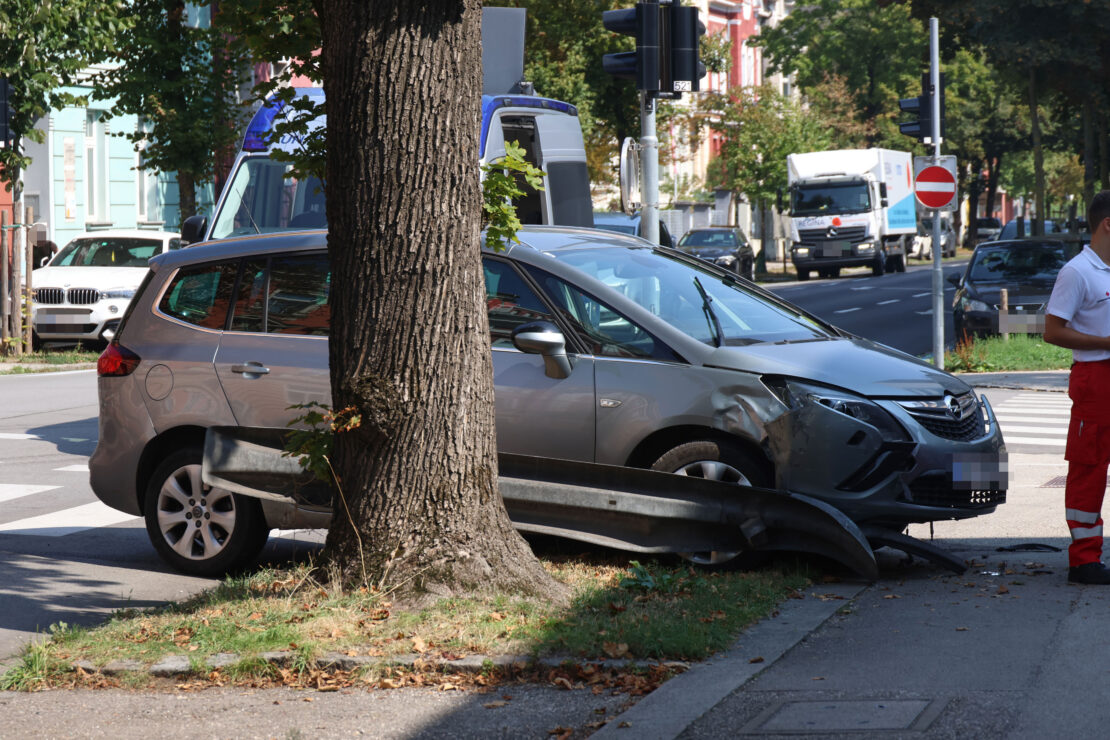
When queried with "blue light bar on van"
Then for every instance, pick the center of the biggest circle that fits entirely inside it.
(490, 103)
(257, 138)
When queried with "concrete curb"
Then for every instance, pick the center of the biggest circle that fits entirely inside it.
(181, 665)
(666, 712)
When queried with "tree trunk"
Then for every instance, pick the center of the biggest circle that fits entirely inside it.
(1089, 173)
(1103, 153)
(186, 195)
(993, 166)
(1038, 156)
(418, 508)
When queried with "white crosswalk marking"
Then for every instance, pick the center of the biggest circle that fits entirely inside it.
(67, 521)
(9, 491)
(74, 469)
(18, 435)
(1037, 419)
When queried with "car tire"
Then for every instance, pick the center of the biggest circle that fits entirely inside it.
(878, 267)
(899, 263)
(802, 274)
(233, 528)
(722, 460)
(750, 274)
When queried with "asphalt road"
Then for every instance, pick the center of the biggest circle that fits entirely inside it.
(64, 556)
(895, 309)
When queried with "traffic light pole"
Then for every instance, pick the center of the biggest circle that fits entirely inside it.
(938, 247)
(649, 165)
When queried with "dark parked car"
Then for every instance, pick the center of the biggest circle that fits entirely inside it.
(1010, 230)
(1026, 269)
(622, 223)
(987, 229)
(726, 246)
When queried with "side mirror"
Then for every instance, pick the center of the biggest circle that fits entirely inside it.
(193, 229)
(544, 338)
(956, 279)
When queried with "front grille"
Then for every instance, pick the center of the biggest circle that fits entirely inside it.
(64, 328)
(83, 296)
(49, 295)
(844, 233)
(971, 424)
(937, 490)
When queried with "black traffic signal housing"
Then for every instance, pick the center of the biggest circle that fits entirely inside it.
(5, 112)
(685, 68)
(922, 107)
(642, 65)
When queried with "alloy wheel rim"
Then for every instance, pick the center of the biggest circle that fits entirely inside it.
(719, 471)
(195, 520)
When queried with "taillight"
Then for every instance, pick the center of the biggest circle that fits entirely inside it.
(116, 361)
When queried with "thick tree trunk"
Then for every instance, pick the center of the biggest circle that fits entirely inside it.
(418, 510)
(1089, 174)
(186, 195)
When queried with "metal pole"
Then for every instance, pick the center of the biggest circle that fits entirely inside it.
(5, 279)
(649, 164)
(29, 256)
(17, 289)
(938, 249)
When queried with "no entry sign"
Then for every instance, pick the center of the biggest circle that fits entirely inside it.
(935, 187)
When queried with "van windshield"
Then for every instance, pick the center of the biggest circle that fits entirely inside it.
(262, 199)
(819, 199)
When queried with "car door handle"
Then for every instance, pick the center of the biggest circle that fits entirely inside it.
(250, 368)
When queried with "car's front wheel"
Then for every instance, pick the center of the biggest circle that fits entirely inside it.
(198, 529)
(720, 460)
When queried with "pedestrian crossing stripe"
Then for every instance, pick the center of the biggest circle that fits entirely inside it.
(67, 521)
(11, 491)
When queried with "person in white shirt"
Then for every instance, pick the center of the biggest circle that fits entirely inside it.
(1078, 318)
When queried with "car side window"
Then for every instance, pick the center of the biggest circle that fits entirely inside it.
(605, 331)
(297, 301)
(201, 295)
(250, 304)
(510, 302)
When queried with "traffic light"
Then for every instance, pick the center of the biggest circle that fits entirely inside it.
(685, 70)
(922, 107)
(5, 112)
(642, 65)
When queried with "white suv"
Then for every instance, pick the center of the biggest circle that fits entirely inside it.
(82, 292)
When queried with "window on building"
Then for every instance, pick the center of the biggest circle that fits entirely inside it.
(96, 166)
(146, 182)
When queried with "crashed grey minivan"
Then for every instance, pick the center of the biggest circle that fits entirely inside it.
(605, 349)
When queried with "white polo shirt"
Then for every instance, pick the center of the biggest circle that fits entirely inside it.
(1081, 297)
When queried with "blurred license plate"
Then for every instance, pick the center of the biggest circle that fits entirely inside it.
(977, 471)
(834, 249)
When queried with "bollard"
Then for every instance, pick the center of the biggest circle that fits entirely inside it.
(1004, 315)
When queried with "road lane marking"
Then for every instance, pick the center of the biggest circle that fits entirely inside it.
(847, 310)
(921, 295)
(863, 287)
(68, 521)
(924, 313)
(1013, 439)
(9, 491)
(18, 435)
(1063, 420)
(884, 303)
(74, 469)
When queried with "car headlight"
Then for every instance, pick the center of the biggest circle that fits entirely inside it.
(801, 252)
(970, 304)
(118, 293)
(727, 260)
(865, 247)
(796, 394)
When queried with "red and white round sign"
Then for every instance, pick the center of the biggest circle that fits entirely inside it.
(935, 187)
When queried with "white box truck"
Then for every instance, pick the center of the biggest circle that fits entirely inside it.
(850, 207)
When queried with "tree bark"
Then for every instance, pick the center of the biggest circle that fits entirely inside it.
(1038, 156)
(186, 195)
(418, 508)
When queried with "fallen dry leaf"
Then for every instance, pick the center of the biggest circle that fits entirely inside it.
(494, 704)
(564, 682)
(1003, 590)
(756, 660)
(496, 616)
(892, 596)
(961, 629)
(419, 645)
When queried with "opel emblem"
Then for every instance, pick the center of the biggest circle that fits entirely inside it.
(954, 408)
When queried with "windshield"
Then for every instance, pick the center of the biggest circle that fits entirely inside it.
(675, 291)
(817, 200)
(1025, 263)
(620, 229)
(262, 199)
(706, 238)
(107, 252)
(1010, 230)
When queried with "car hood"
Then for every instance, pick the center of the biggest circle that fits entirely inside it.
(1018, 294)
(854, 364)
(710, 252)
(102, 278)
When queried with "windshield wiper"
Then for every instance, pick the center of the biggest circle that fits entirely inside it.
(707, 306)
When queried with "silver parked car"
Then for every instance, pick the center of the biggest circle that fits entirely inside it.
(654, 359)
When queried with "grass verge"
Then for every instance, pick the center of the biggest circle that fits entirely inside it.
(620, 609)
(995, 354)
(46, 360)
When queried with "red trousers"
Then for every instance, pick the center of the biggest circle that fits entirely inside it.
(1088, 455)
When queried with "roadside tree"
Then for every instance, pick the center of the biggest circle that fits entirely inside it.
(409, 336)
(44, 44)
(182, 81)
